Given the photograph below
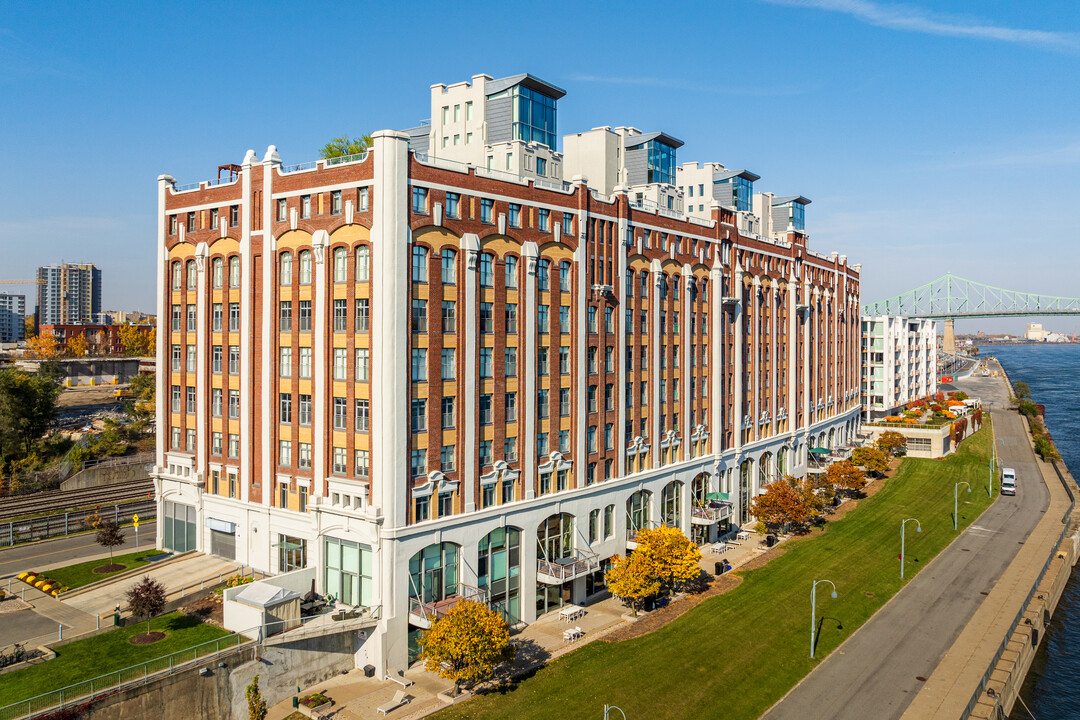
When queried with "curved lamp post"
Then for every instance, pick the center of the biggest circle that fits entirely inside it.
(813, 609)
(956, 501)
(918, 528)
(609, 708)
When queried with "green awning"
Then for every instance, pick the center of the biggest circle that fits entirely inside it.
(717, 496)
(820, 451)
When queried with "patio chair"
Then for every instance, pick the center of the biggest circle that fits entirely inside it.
(400, 698)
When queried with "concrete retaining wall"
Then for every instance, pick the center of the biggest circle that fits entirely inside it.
(107, 475)
(221, 694)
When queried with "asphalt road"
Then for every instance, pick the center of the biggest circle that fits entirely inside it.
(66, 550)
(873, 676)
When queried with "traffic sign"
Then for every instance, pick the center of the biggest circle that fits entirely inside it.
(135, 520)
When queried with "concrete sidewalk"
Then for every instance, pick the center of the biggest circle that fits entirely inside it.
(949, 689)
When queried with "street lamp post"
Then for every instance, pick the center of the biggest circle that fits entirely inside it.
(956, 502)
(609, 708)
(918, 528)
(813, 610)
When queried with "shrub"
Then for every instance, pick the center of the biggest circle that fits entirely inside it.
(314, 700)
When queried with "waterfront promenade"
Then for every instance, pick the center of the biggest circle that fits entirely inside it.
(879, 671)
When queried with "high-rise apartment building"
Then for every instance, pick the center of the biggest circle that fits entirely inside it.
(438, 369)
(899, 362)
(12, 317)
(70, 294)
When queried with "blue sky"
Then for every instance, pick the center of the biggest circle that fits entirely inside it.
(931, 137)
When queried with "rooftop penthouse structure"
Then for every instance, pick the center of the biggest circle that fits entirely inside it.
(463, 364)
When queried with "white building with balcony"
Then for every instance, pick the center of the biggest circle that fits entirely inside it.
(899, 362)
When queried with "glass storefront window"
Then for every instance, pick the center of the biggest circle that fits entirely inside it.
(499, 570)
(348, 572)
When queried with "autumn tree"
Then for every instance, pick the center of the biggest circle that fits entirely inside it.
(780, 504)
(633, 580)
(845, 477)
(109, 536)
(43, 346)
(813, 500)
(344, 145)
(77, 346)
(891, 441)
(256, 703)
(466, 644)
(875, 460)
(134, 341)
(146, 598)
(27, 406)
(671, 555)
(30, 328)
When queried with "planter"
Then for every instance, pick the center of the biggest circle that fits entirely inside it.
(316, 712)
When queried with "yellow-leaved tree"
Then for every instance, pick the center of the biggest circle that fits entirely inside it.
(892, 442)
(135, 342)
(466, 644)
(875, 460)
(633, 580)
(673, 557)
(43, 346)
(78, 346)
(845, 477)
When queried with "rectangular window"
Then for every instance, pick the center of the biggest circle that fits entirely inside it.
(452, 202)
(234, 317)
(215, 402)
(592, 360)
(304, 415)
(176, 358)
(419, 365)
(542, 445)
(487, 366)
(418, 415)
(190, 400)
(449, 316)
(234, 449)
(305, 316)
(418, 462)
(305, 362)
(449, 364)
(542, 361)
(510, 404)
(363, 362)
(543, 405)
(515, 215)
(564, 318)
(191, 318)
(487, 321)
(234, 216)
(304, 461)
(363, 463)
(543, 325)
(446, 458)
(363, 199)
(609, 319)
(305, 206)
(419, 316)
(564, 402)
(590, 404)
(609, 397)
(543, 214)
(191, 358)
(590, 439)
(510, 449)
(282, 210)
(567, 224)
(341, 315)
(419, 200)
(335, 202)
(341, 413)
(341, 363)
(511, 318)
(564, 441)
(541, 166)
(609, 521)
(341, 462)
(510, 361)
(285, 313)
(448, 415)
(487, 270)
(177, 398)
(234, 359)
(484, 453)
(363, 415)
(216, 317)
(215, 442)
(486, 415)
(592, 319)
(609, 436)
(285, 452)
(285, 408)
(363, 315)
(487, 208)
(511, 271)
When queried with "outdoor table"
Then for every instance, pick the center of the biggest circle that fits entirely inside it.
(570, 612)
(743, 536)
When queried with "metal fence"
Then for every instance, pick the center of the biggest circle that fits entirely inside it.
(60, 524)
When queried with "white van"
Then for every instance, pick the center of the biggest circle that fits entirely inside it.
(1008, 481)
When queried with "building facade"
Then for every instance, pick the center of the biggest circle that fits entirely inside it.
(68, 294)
(12, 318)
(899, 362)
(100, 339)
(433, 378)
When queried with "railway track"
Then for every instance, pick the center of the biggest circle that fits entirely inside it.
(54, 501)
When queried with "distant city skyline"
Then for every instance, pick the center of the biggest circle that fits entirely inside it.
(916, 131)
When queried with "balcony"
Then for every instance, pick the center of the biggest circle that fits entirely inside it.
(557, 572)
(424, 614)
(709, 515)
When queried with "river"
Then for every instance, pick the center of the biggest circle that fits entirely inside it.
(1053, 372)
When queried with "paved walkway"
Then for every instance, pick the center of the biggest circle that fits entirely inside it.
(876, 672)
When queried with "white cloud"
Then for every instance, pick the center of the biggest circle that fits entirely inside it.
(913, 19)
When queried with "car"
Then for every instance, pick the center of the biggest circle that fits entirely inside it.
(1008, 481)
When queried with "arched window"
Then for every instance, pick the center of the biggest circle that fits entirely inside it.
(176, 282)
(671, 504)
(564, 276)
(765, 475)
(745, 470)
(363, 263)
(704, 290)
(286, 268)
(644, 283)
(192, 275)
(629, 283)
(449, 266)
(419, 264)
(663, 287)
(543, 274)
(498, 571)
(341, 258)
(700, 488)
(218, 272)
(234, 271)
(781, 462)
(433, 573)
(305, 267)
(675, 287)
(638, 512)
(555, 537)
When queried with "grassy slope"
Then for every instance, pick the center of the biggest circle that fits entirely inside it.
(108, 652)
(740, 652)
(75, 576)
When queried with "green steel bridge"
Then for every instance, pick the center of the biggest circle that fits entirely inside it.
(951, 297)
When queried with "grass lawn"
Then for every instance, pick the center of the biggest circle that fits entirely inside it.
(736, 654)
(102, 654)
(75, 576)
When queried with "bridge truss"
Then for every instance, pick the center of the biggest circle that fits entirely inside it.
(951, 296)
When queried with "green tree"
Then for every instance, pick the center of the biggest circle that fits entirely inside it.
(27, 405)
(466, 644)
(1021, 390)
(344, 145)
(256, 704)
